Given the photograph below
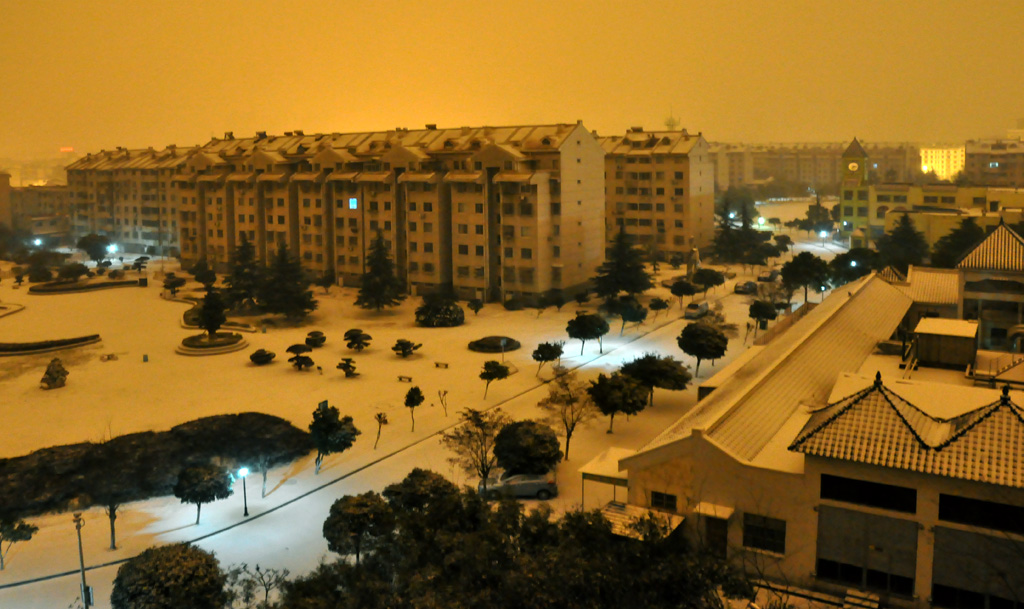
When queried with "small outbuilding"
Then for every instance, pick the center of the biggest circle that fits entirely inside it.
(946, 342)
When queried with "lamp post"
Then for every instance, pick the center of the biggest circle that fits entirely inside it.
(243, 473)
(823, 234)
(86, 592)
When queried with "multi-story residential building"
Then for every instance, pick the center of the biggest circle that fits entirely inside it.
(493, 212)
(43, 211)
(995, 162)
(944, 161)
(128, 195)
(659, 188)
(819, 165)
(6, 213)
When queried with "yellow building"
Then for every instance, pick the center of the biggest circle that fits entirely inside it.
(659, 187)
(944, 161)
(43, 211)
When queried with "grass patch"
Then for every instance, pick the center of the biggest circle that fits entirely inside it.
(142, 465)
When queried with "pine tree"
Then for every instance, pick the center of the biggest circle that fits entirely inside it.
(952, 246)
(381, 287)
(903, 246)
(622, 271)
(245, 277)
(285, 290)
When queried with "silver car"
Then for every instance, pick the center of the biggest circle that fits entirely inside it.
(522, 485)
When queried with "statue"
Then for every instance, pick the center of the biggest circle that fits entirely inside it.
(55, 375)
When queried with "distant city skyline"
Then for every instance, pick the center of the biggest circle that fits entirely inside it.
(105, 74)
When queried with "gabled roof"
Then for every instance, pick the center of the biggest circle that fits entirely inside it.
(891, 274)
(930, 285)
(1002, 250)
(800, 366)
(855, 150)
(878, 427)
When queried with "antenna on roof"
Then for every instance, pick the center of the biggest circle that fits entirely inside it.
(671, 122)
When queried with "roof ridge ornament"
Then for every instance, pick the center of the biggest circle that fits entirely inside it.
(1005, 399)
(878, 379)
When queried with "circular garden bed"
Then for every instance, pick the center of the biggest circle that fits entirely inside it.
(493, 344)
(203, 344)
(64, 287)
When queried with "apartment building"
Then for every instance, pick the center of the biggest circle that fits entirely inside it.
(944, 161)
(129, 196)
(43, 211)
(819, 165)
(995, 162)
(659, 188)
(494, 212)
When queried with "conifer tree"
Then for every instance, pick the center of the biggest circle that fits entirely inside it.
(381, 287)
(622, 271)
(285, 290)
(951, 247)
(903, 246)
(244, 279)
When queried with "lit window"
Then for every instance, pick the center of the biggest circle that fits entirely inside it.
(353, 203)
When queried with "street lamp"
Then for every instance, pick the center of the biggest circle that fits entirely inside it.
(823, 234)
(37, 242)
(853, 263)
(86, 590)
(760, 221)
(242, 473)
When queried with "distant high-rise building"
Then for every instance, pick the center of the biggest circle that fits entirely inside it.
(995, 162)
(944, 161)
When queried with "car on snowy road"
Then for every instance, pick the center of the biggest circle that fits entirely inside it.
(521, 485)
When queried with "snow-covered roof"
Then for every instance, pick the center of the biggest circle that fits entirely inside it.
(799, 367)
(890, 273)
(1002, 250)
(650, 142)
(947, 327)
(929, 285)
(621, 515)
(878, 427)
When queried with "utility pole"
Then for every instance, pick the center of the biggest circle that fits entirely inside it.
(86, 590)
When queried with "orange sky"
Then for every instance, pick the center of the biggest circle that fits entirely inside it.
(96, 74)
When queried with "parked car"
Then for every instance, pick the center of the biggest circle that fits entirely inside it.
(771, 275)
(522, 485)
(695, 310)
(745, 287)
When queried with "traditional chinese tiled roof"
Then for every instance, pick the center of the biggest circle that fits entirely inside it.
(891, 274)
(1002, 250)
(878, 427)
(930, 286)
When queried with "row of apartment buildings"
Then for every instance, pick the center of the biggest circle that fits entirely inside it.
(495, 212)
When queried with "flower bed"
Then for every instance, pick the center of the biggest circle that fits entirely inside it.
(222, 342)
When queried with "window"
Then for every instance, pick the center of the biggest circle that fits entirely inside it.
(412, 227)
(413, 246)
(874, 494)
(556, 209)
(428, 227)
(862, 195)
(764, 533)
(847, 195)
(280, 219)
(986, 514)
(678, 175)
(526, 253)
(462, 271)
(678, 192)
(463, 229)
(428, 247)
(508, 252)
(479, 250)
(428, 207)
(524, 231)
(899, 198)
(412, 206)
(556, 252)
(663, 501)
(461, 207)
(883, 198)
(478, 207)
(479, 229)
(880, 212)
(862, 212)
(464, 250)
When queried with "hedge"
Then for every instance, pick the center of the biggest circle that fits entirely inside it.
(46, 345)
(142, 465)
(58, 287)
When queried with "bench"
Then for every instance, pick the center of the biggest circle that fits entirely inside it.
(404, 379)
(441, 365)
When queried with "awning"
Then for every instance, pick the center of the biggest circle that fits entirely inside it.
(714, 511)
(418, 177)
(342, 176)
(308, 176)
(272, 177)
(469, 178)
(212, 178)
(605, 467)
(374, 176)
(241, 177)
(509, 176)
(622, 515)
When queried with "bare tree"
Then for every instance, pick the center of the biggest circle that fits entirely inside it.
(472, 441)
(568, 404)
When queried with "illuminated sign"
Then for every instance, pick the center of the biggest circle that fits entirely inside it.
(67, 148)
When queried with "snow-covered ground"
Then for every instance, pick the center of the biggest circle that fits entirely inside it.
(107, 398)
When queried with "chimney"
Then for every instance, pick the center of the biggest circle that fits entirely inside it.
(261, 135)
(229, 135)
(287, 133)
(431, 127)
(299, 132)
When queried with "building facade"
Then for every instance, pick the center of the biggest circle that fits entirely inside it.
(42, 211)
(946, 162)
(660, 190)
(995, 162)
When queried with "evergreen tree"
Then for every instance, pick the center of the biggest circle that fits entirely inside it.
(331, 433)
(852, 265)
(381, 287)
(201, 484)
(246, 275)
(285, 291)
(622, 271)
(211, 314)
(617, 393)
(357, 522)
(652, 370)
(702, 341)
(903, 246)
(952, 246)
(170, 577)
(805, 270)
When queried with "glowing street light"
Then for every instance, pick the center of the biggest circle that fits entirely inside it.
(242, 473)
(823, 234)
(37, 242)
(760, 220)
(112, 248)
(853, 263)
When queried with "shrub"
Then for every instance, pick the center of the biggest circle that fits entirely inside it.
(440, 313)
(205, 341)
(492, 344)
(513, 304)
(316, 338)
(261, 357)
(115, 274)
